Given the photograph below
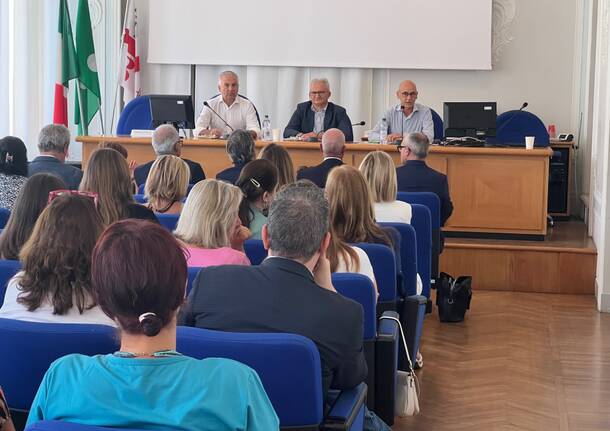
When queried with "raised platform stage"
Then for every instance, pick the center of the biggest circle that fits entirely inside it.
(564, 262)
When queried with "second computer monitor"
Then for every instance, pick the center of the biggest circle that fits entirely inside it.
(172, 109)
(469, 119)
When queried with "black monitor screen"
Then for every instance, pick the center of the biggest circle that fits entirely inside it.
(172, 109)
(469, 119)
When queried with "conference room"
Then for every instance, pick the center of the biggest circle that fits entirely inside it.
(325, 215)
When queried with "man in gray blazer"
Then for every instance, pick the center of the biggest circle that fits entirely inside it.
(53, 143)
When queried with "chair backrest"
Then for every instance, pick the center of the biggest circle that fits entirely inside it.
(287, 364)
(135, 115)
(168, 221)
(422, 223)
(5, 214)
(433, 203)
(8, 268)
(255, 251)
(359, 288)
(68, 426)
(439, 132)
(513, 126)
(408, 257)
(140, 198)
(34, 346)
(384, 267)
(193, 271)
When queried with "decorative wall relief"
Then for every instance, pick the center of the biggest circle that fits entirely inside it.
(503, 14)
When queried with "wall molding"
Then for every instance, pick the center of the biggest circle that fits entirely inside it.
(503, 15)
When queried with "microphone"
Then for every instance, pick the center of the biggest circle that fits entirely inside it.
(362, 123)
(525, 104)
(205, 103)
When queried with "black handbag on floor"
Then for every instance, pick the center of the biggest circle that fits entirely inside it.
(453, 297)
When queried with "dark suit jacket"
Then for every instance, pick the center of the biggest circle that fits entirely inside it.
(416, 176)
(50, 165)
(280, 295)
(230, 175)
(318, 174)
(142, 171)
(302, 120)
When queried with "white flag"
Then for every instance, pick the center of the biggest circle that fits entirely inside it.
(131, 60)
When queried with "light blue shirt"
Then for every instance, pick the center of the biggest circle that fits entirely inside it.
(256, 225)
(420, 120)
(177, 392)
(318, 121)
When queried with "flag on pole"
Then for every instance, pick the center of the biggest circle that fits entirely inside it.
(131, 79)
(67, 67)
(88, 82)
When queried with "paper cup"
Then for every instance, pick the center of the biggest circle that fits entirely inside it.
(529, 142)
(276, 134)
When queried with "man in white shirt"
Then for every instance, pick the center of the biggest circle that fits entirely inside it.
(237, 111)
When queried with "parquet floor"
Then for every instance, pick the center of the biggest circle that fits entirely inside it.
(520, 361)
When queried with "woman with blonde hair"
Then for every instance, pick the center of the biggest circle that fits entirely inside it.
(210, 227)
(167, 184)
(380, 173)
(107, 174)
(278, 155)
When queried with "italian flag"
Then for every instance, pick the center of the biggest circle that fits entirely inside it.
(67, 67)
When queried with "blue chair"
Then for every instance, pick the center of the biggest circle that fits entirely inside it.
(193, 271)
(8, 268)
(513, 126)
(255, 251)
(422, 223)
(5, 214)
(407, 283)
(135, 115)
(412, 311)
(34, 346)
(168, 221)
(433, 203)
(380, 343)
(140, 198)
(384, 267)
(439, 131)
(68, 426)
(289, 368)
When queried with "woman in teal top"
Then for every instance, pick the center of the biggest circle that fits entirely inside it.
(138, 277)
(257, 181)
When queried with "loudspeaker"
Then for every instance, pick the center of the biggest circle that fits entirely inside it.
(559, 175)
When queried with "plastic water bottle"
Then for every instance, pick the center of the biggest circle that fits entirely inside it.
(267, 129)
(383, 131)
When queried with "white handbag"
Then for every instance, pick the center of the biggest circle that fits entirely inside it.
(406, 401)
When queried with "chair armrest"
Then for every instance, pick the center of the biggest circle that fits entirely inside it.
(347, 410)
(386, 364)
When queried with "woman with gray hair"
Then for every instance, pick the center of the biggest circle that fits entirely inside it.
(240, 148)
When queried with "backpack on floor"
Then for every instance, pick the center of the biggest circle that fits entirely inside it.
(453, 297)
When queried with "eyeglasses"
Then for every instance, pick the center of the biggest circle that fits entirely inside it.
(56, 193)
(409, 93)
(317, 93)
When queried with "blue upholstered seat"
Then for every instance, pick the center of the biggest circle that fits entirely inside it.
(513, 126)
(384, 267)
(193, 271)
(168, 221)
(439, 131)
(135, 115)
(255, 251)
(407, 284)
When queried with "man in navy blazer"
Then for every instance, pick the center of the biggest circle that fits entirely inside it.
(53, 143)
(333, 147)
(291, 291)
(312, 118)
(415, 176)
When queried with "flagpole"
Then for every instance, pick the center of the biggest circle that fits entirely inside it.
(83, 121)
(118, 81)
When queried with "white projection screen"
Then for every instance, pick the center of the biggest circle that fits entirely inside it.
(393, 34)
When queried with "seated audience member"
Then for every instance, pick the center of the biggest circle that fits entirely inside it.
(107, 174)
(346, 258)
(53, 143)
(167, 141)
(209, 225)
(31, 201)
(258, 182)
(167, 184)
(333, 147)
(132, 164)
(312, 118)
(278, 155)
(55, 283)
(296, 275)
(416, 176)
(240, 148)
(236, 110)
(13, 170)
(139, 276)
(380, 174)
(406, 117)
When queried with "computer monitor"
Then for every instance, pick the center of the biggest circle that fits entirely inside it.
(172, 109)
(469, 119)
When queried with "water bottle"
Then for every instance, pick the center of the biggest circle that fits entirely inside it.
(383, 131)
(266, 129)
